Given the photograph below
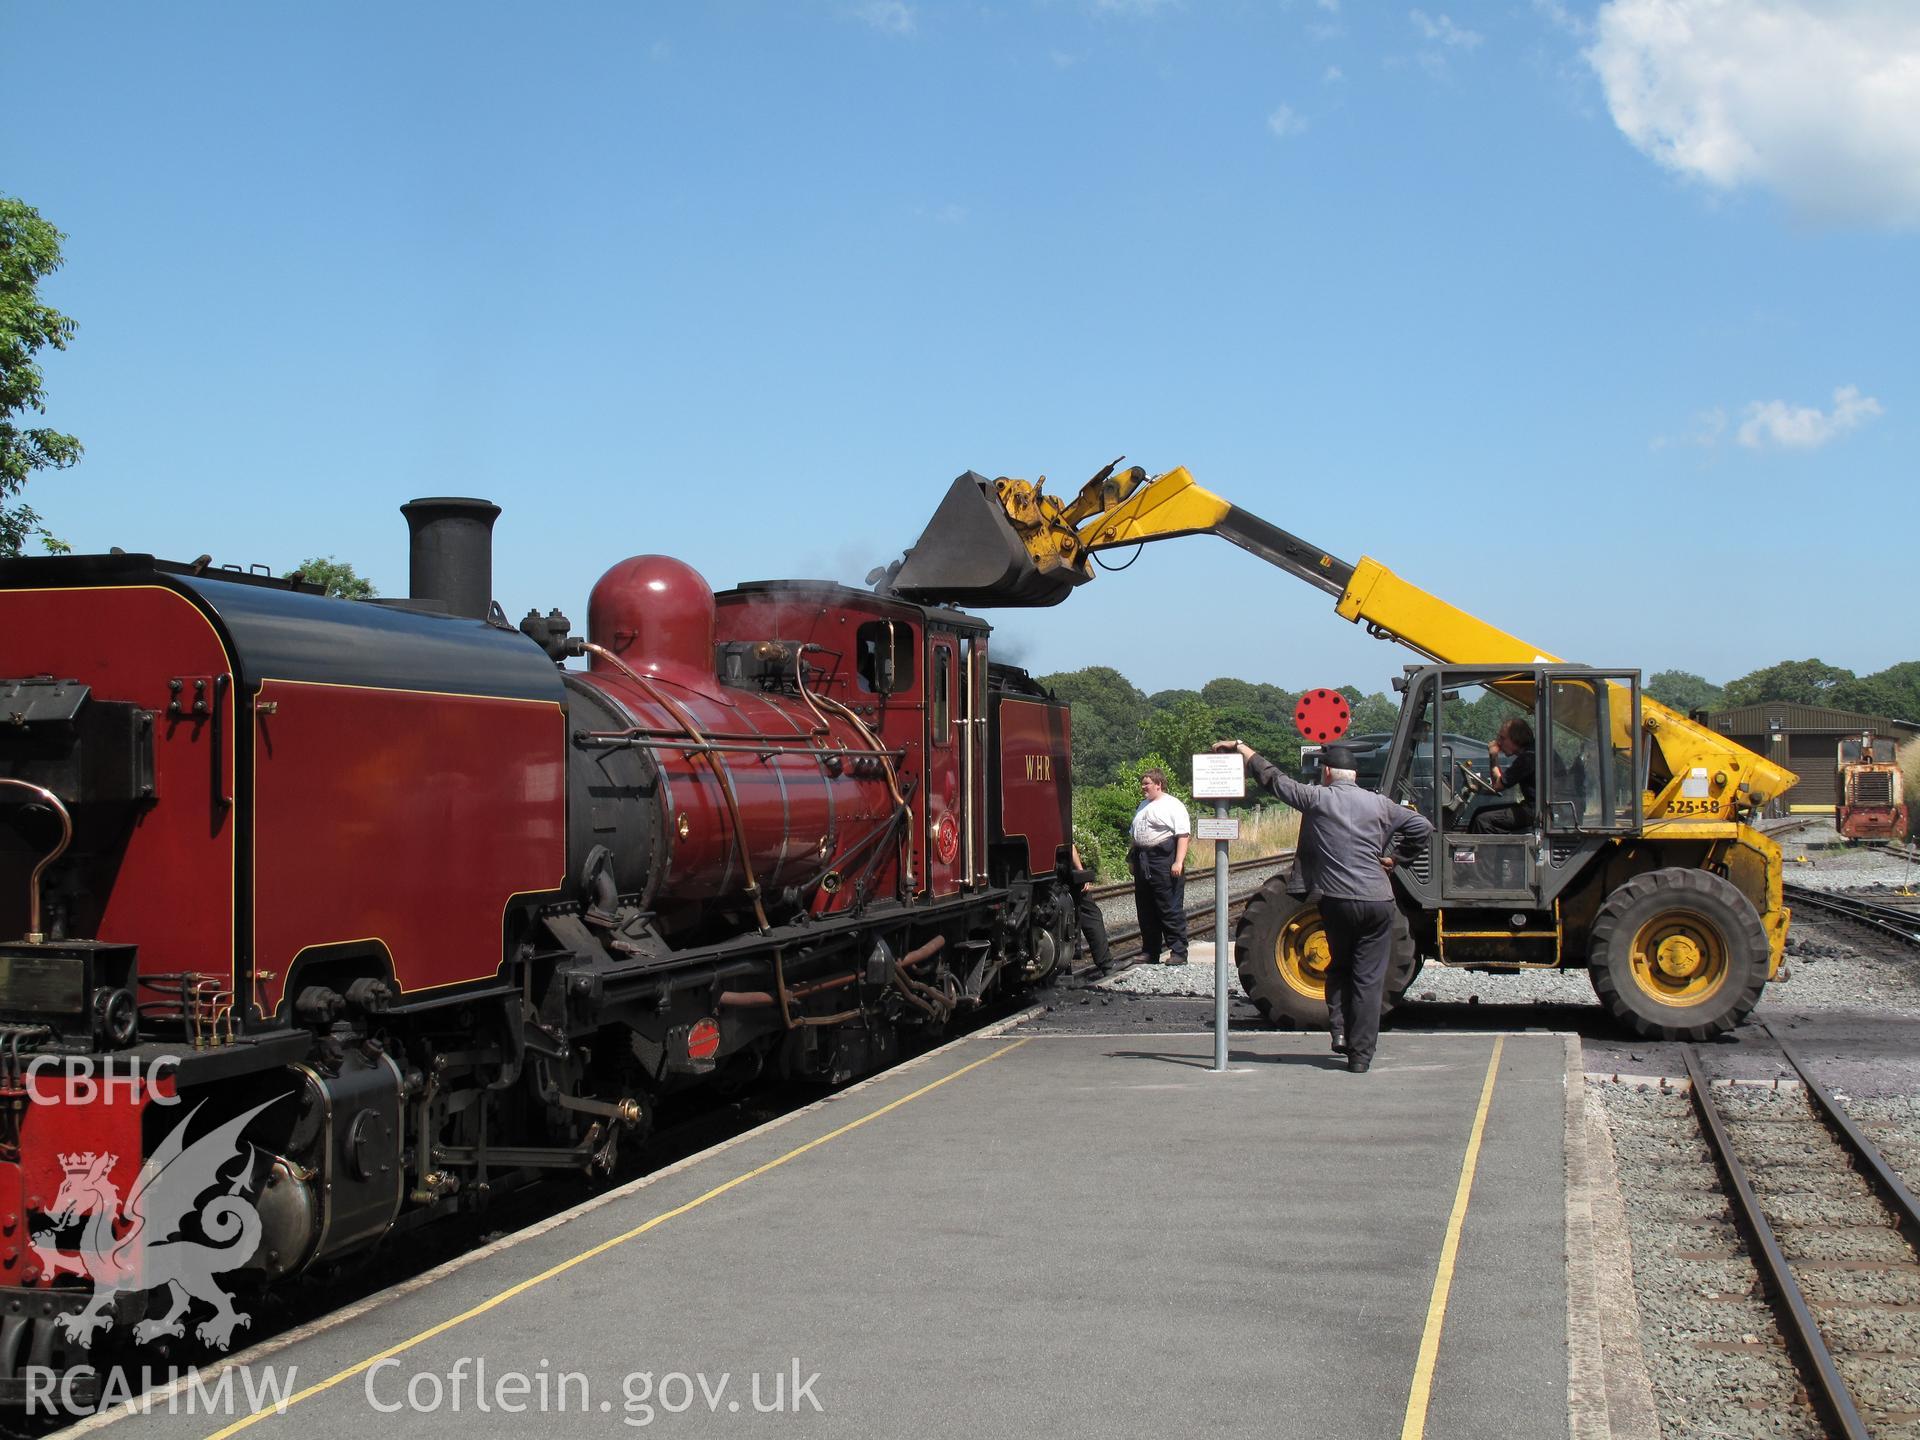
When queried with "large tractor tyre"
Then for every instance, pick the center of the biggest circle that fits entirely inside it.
(1280, 949)
(1678, 955)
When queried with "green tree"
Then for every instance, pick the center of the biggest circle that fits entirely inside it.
(336, 577)
(1480, 713)
(1184, 729)
(1894, 691)
(1167, 699)
(1684, 691)
(1794, 682)
(1107, 714)
(29, 250)
(1375, 714)
(1257, 713)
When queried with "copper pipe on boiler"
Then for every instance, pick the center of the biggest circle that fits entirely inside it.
(800, 684)
(893, 778)
(673, 708)
(35, 935)
(650, 731)
(873, 741)
(654, 742)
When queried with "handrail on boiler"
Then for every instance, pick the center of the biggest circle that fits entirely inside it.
(36, 935)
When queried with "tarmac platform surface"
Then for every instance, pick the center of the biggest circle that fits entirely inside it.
(1056, 1235)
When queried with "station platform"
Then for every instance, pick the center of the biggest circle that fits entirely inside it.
(1063, 1235)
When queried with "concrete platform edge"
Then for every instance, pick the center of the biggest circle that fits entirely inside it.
(1611, 1355)
(1586, 1370)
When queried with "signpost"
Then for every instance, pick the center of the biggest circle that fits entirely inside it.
(1219, 778)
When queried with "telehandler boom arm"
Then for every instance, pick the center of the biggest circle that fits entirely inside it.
(1125, 507)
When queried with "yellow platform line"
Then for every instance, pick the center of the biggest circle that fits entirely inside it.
(1415, 1425)
(597, 1250)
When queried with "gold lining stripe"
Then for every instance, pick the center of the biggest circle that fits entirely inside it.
(1415, 1425)
(405, 690)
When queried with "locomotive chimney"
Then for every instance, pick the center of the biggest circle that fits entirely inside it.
(450, 557)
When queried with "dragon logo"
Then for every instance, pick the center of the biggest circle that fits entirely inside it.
(136, 1245)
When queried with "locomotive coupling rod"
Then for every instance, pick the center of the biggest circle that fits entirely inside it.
(36, 935)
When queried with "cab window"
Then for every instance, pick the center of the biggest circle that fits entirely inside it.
(883, 657)
(942, 701)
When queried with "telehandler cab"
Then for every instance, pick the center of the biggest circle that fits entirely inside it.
(1637, 863)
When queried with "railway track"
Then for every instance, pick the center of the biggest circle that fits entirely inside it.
(1896, 920)
(1789, 826)
(1125, 942)
(1823, 1215)
(1195, 878)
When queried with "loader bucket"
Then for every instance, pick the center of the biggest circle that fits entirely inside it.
(971, 555)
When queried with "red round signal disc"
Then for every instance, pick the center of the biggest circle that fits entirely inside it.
(703, 1039)
(1322, 715)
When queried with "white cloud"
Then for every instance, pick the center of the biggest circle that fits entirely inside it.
(1818, 100)
(1332, 7)
(890, 17)
(1804, 427)
(1442, 29)
(1285, 122)
(1134, 7)
(1333, 76)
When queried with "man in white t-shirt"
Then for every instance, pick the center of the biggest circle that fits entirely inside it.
(1158, 859)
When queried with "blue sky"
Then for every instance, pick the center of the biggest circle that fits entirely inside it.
(1597, 319)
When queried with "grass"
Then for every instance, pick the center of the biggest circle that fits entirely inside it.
(1262, 832)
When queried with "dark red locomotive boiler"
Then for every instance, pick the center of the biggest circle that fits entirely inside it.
(369, 910)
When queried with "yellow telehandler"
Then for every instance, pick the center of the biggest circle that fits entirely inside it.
(1639, 862)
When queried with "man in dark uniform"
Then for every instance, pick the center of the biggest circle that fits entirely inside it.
(1515, 743)
(1086, 909)
(1346, 834)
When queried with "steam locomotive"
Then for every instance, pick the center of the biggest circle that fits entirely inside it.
(353, 914)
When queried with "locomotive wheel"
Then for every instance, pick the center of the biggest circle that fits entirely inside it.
(1052, 945)
(1678, 955)
(1281, 952)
